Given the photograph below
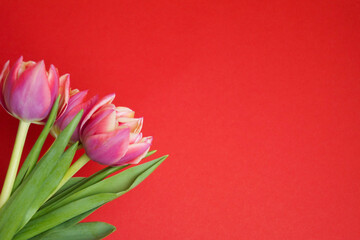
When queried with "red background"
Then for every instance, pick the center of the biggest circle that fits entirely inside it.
(257, 103)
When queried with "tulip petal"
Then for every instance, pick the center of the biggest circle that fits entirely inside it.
(24, 66)
(102, 121)
(107, 148)
(124, 112)
(53, 80)
(135, 124)
(10, 80)
(135, 152)
(105, 100)
(135, 137)
(64, 90)
(73, 91)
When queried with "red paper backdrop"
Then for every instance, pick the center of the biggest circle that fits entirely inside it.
(257, 102)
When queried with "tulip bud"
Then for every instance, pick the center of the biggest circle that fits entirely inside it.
(111, 136)
(28, 91)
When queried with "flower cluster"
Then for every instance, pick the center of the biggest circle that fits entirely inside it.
(110, 135)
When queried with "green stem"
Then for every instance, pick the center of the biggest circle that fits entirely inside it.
(14, 162)
(73, 169)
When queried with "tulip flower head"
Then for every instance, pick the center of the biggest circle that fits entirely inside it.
(28, 91)
(112, 136)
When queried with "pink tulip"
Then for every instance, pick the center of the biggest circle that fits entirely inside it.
(77, 101)
(28, 91)
(111, 136)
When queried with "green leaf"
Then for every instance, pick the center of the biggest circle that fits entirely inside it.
(86, 182)
(118, 184)
(72, 181)
(81, 231)
(40, 183)
(65, 225)
(150, 153)
(63, 214)
(33, 156)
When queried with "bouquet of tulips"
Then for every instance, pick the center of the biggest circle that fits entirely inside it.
(43, 200)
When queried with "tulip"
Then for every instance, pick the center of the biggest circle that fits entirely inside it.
(109, 135)
(28, 91)
(112, 136)
(77, 101)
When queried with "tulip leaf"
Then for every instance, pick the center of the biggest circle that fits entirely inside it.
(150, 153)
(80, 231)
(118, 184)
(63, 214)
(39, 184)
(72, 181)
(66, 224)
(86, 182)
(33, 156)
